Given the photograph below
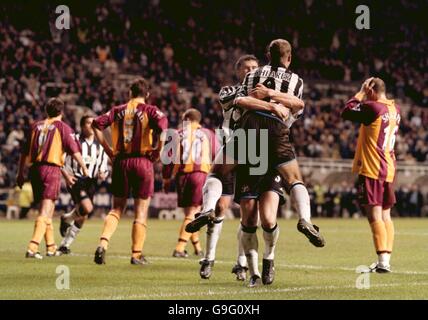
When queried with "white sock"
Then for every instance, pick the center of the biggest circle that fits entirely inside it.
(213, 234)
(271, 238)
(70, 236)
(250, 244)
(384, 259)
(242, 259)
(302, 203)
(212, 191)
(70, 216)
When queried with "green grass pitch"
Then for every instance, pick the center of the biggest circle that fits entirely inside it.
(302, 271)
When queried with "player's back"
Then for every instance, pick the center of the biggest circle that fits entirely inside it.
(50, 138)
(276, 78)
(132, 126)
(374, 156)
(197, 149)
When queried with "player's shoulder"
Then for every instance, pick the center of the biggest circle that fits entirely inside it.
(152, 110)
(227, 91)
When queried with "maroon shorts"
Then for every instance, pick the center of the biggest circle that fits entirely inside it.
(133, 176)
(45, 181)
(375, 192)
(189, 188)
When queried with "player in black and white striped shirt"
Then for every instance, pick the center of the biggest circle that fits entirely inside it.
(82, 189)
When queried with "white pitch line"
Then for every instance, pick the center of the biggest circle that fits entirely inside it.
(289, 266)
(258, 291)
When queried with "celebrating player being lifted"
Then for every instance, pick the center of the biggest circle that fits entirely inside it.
(136, 128)
(193, 150)
(44, 148)
(273, 82)
(82, 189)
(375, 162)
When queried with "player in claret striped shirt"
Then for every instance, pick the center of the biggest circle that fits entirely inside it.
(136, 128)
(82, 189)
(44, 149)
(375, 163)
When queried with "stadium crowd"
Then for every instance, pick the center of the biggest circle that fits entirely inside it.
(188, 57)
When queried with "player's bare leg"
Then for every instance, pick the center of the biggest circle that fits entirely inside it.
(268, 208)
(139, 230)
(110, 225)
(375, 216)
(47, 206)
(299, 195)
(183, 238)
(74, 220)
(212, 191)
(213, 234)
(249, 214)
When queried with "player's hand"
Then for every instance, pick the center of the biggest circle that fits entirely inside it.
(280, 111)
(154, 155)
(260, 92)
(366, 86)
(166, 185)
(20, 180)
(85, 171)
(70, 180)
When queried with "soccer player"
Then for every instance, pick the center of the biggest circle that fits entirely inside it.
(231, 115)
(375, 162)
(82, 189)
(259, 196)
(194, 151)
(273, 82)
(136, 128)
(44, 148)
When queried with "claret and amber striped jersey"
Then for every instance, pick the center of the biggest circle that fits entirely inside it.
(132, 127)
(193, 150)
(380, 120)
(49, 140)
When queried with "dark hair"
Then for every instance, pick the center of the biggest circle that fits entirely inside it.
(379, 85)
(242, 59)
(54, 107)
(193, 115)
(139, 88)
(83, 119)
(278, 49)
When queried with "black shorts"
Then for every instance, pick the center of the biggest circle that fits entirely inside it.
(280, 149)
(83, 188)
(228, 184)
(253, 186)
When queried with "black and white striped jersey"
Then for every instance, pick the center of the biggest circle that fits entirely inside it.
(231, 112)
(279, 79)
(93, 155)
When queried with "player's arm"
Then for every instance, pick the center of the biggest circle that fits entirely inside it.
(25, 153)
(251, 103)
(99, 124)
(290, 101)
(69, 178)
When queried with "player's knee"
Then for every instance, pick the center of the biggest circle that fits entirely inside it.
(86, 210)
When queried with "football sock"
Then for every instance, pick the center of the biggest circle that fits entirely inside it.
(271, 238)
(300, 196)
(49, 236)
(250, 244)
(69, 216)
(384, 259)
(212, 191)
(70, 236)
(184, 236)
(390, 232)
(138, 237)
(242, 259)
(110, 225)
(213, 234)
(195, 241)
(379, 236)
(38, 233)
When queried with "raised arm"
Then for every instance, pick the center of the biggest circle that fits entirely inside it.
(290, 101)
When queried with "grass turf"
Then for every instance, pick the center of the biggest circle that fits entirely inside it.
(302, 271)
